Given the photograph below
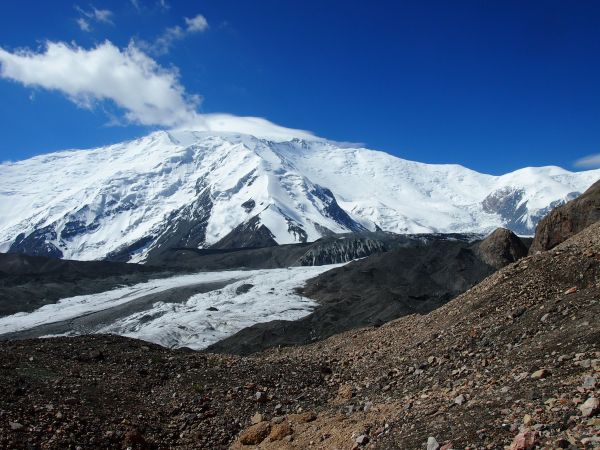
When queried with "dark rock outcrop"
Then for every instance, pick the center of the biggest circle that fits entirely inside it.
(38, 243)
(332, 249)
(501, 248)
(567, 220)
(185, 227)
(250, 234)
(332, 210)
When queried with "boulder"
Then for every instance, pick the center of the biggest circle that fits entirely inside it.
(255, 434)
(526, 440)
(279, 431)
(501, 248)
(590, 407)
(432, 443)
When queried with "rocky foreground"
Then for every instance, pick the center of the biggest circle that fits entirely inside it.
(513, 362)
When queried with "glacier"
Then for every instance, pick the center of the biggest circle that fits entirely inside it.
(247, 297)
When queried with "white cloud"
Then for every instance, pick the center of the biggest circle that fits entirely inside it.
(162, 45)
(589, 162)
(84, 24)
(103, 15)
(136, 4)
(255, 126)
(98, 15)
(148, 93)
(196, 24)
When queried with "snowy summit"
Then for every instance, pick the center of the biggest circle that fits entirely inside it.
(223, 189)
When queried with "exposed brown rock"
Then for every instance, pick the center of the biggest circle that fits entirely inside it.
(255, 434)
(134, 439)
(279, 431)
(525, 440)
(501, 248)
(308, 416)
(567, 220)
(345, 392)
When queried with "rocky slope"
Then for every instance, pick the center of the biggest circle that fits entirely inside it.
(514, 360)
(136, 200)
(567, 220)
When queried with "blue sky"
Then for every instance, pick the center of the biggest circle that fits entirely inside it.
(493, 85)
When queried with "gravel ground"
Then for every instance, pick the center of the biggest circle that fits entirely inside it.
(514, 361)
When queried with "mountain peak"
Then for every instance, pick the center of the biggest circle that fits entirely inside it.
(194, 188)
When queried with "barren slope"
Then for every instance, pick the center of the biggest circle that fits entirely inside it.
(481, 350)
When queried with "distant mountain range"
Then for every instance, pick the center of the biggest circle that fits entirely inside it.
(186, 189)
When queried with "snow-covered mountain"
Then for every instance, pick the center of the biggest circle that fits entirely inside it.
(207, 189)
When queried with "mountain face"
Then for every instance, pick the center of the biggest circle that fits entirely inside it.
(186, 189)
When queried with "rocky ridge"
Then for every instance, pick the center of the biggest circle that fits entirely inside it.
(567, 220)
